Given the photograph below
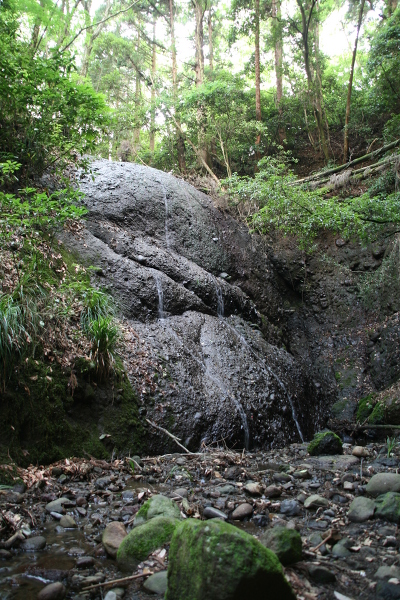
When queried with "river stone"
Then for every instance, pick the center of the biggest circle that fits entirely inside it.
(315, 501)
(290, 508)
(286, 543)
(53, 591)
(33, 544)
(360, 452)
(361, 509)
(57, 506)
(242, 511)
(157, 506)
(111, 596)
(227, 489)
(386, 572)
(272, 491)
(68, 522)
(143, 540)
(213, 513)
(253, 488)
(214, 560)
(112, 537)
(383, 482)
(156, 583)
(325, 442)
(388, 507)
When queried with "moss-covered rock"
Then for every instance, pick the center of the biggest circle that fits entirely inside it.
(42, 421)
(377, 417)
(143, 540)
(157, 506)
(286, 543)
(365, 408)
(388, 507)
(213, 560)
(324, 443)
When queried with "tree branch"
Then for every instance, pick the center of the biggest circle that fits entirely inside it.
(124, 10)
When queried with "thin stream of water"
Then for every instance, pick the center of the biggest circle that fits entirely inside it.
(268, 369)
(160, 293)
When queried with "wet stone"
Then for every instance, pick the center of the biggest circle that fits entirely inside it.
(85, 562)
(253, 488)
(290, 508)
(213, 513)
(68, 522)
(361, 509)
(242, 511)
(272, 491)
(33, 544)
(227, 489)
(53, 591)
(315, 501)
(156, 583)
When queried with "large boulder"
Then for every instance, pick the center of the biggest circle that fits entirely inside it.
(388, 507)
(143, 540)
(188, 278)
(216, 561)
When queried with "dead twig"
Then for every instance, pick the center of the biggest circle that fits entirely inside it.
(114, 581)
(169, 434)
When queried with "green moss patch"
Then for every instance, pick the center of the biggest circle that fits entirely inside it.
(377, 416)
(42, 422)
(143, 540)
(325, 442)
(365, 408)
(286, 543)
(212, 560)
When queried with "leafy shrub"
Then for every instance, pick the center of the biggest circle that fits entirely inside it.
(103, 334)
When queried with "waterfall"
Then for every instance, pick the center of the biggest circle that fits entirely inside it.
(220, 298)
(160, 293)
(268, 369)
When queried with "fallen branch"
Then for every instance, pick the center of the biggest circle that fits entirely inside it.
(169, 434)
(114, 581)
(377, 427)
(332, 534)
(356, 161)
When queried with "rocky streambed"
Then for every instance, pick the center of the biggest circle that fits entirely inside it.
(332, 520)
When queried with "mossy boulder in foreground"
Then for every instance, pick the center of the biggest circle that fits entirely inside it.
(143, 540)
(324, 443)
(286, 543)
(157, 506)
(212, 560)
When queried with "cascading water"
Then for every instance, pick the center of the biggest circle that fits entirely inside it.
(267, 369)
(220, 298)
(160, 293)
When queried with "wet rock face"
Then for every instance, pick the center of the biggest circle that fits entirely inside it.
(160, 247)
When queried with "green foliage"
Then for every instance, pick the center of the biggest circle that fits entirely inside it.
(391, 444)
(274, 202)
(47, 117)
(103, 334)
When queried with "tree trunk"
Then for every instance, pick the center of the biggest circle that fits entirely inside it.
(180, 144)
(136, 131)
(350, 86)
(153, 92)
(199, 40)
(310, 80)
(257, 59)
(276, 18)
(91, 34)
(210, 41)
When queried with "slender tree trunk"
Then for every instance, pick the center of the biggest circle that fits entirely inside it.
(350, 86)
(276, 18)
(310, 80)
(180, 144)
(199, 11)
(318, 78)
(199, 40)
(210, 41)
(136, 131)
(391, 7)
(91, 34)
(153, 92)
(257, 58)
